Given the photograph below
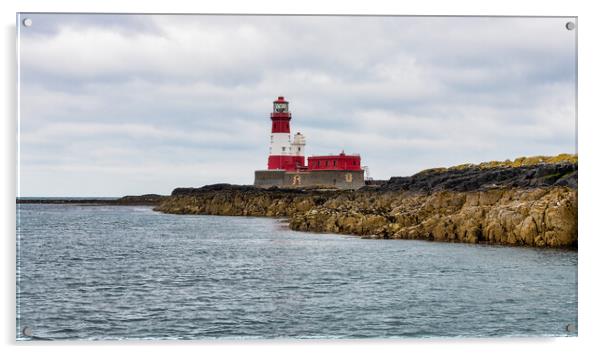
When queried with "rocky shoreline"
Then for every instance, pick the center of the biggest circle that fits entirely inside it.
(525, 202)
(145, 199)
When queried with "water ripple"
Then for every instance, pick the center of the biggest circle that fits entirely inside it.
(130, 273)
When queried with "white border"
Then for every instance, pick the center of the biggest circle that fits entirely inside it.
(589, 181)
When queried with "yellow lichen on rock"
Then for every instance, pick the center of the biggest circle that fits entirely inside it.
(517, 162)
(541, 218)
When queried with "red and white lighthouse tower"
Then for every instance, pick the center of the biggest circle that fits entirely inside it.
(283, 154)
(286, 163)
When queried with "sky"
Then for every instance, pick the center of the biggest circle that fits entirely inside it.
(114, 105)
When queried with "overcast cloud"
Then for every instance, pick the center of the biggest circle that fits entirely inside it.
(130, 104)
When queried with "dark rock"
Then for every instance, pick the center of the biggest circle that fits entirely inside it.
(569, 180)
(475, 178)
(220, 187)
(145, 199)
(235, 188)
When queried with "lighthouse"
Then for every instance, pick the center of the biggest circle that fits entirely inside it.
(284, 155)
(286, 159)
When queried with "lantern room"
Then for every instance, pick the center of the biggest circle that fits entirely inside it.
(281, 116)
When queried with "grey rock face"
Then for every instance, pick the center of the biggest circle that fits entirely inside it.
(474, 178)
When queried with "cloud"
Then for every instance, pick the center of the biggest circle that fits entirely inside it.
(185, 100)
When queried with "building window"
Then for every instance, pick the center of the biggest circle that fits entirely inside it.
(334, 163)
(299, 149)
(326, 163)
(283, 149)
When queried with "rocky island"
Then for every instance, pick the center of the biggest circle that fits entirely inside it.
(526, 202)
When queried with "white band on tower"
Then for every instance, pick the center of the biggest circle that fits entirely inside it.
(280, 144)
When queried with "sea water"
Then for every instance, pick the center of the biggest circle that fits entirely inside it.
(127, 272)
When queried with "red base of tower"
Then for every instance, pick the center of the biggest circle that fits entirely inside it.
(286, 162)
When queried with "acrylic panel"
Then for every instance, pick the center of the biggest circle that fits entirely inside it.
(295, 177)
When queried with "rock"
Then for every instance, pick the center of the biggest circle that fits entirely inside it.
(521, 203)
(475, 178)
(568, 180)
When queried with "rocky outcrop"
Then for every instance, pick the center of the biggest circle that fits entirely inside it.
(474, 178)
(145, 199)
(541, 217)
(243, 201)
(524, 205)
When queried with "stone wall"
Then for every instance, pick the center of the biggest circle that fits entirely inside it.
(331, 178)
(269, 178)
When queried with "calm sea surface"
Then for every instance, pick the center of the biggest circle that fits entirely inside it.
(122, 272)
